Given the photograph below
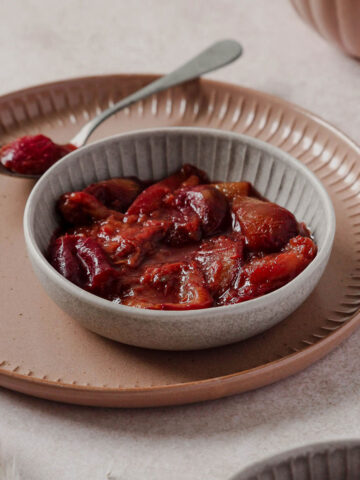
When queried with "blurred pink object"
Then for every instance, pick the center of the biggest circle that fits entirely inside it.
(336, 20)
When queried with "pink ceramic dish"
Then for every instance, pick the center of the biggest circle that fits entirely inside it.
(336, 20)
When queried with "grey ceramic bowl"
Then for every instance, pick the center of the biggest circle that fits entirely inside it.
(152, 154)
(337, 460)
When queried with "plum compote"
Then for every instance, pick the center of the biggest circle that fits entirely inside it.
(178, 244)
(32, 154)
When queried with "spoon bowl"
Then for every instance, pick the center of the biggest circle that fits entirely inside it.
(6, 171)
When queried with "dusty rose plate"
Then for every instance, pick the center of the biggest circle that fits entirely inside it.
(47, 354)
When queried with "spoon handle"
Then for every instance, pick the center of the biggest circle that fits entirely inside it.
(217, 55)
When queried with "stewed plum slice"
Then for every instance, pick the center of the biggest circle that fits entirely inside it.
(266, 226)
(193, 212)
(171, 286)
(192, 293)
(99, 200)
(264, 274)
(183, 227)
(63, 257)
(209, 204)
(32, 154)
(116, 193)
(83, 262)
(232, 190)
(126, 242)
(151, 199)
(220, 259)
(80, 208)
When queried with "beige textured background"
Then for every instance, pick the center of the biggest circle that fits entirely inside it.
(43, 40)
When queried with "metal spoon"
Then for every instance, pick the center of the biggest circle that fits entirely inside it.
(216, 56)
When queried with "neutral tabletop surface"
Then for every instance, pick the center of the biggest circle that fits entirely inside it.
(45, 40)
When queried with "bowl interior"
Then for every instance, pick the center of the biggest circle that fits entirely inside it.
(153, 154)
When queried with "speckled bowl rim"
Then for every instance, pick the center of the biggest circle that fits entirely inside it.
(251, 471)
(100, 302)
